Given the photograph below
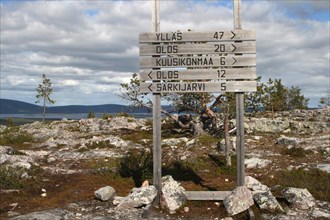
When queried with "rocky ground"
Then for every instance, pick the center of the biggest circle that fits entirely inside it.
(52, 170)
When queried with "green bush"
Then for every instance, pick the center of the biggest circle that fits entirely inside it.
(207, 140)
(10, 178)
(137, 165)
(296, 152)
(316, 181)
(106, 116)
(90, 114)
(11, 137)
(123, 114)
(10, 122)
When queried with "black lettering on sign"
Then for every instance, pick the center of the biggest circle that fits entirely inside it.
(174, 36)
(218, 35)
(221, 73)
(166, 49)
(223, 86)
(171, 74)
(219, 48)
(159, 87)
(187, 61)
(222, 60)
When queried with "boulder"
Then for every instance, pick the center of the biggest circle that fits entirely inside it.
(6, 150)
(256, 163)
(266, 200)
(254, 185)
(283, 140)
(105, 193)
(139, 197)
(324, 167)
(173, 194)
(299, 198)
(238, 201)
(175, 141)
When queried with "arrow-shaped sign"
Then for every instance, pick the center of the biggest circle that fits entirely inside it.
(188, 87)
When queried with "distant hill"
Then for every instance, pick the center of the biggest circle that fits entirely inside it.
(8, 106)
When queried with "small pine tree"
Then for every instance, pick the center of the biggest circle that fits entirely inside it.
(44, 90)
(295, 99)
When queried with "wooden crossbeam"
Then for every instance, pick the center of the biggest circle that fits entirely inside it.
(207, 195)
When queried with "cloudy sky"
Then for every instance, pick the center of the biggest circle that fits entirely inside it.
(87, 48)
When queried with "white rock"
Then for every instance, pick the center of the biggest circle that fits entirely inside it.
(267, 201)
(25, 165)
(254, 185)
(173, 196)
(238, 201)
(299, 198)
(287, 140)
(256, 163)
(138, 197)
(105, 193)
(324, 167)
(117, 200)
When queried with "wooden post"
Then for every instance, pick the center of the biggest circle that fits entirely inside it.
(157, 151)
(239, 111)
(227, 140)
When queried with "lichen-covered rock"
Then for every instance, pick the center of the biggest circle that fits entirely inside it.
(139, 197)
(173, 194)
(256, 163)
(254, 185)
(238, 201)
(266, 200)
(105, 193)
(287, 140)
(299, 198)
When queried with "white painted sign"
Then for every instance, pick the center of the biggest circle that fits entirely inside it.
(199, 74)
(191, 87)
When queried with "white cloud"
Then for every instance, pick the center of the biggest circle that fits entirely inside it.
(87, 48)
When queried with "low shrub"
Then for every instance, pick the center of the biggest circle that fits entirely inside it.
(296, 152)
(10, 137)
(315, 180)
(207, 140)
(10, 178)
(137, 165)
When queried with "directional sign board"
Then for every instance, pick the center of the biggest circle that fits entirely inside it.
(191, 36)
(199, 48)
(185, 87)
(210, 61)
(198, 74)
(197, 61)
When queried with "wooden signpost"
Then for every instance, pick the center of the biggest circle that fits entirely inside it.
(217, 61)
